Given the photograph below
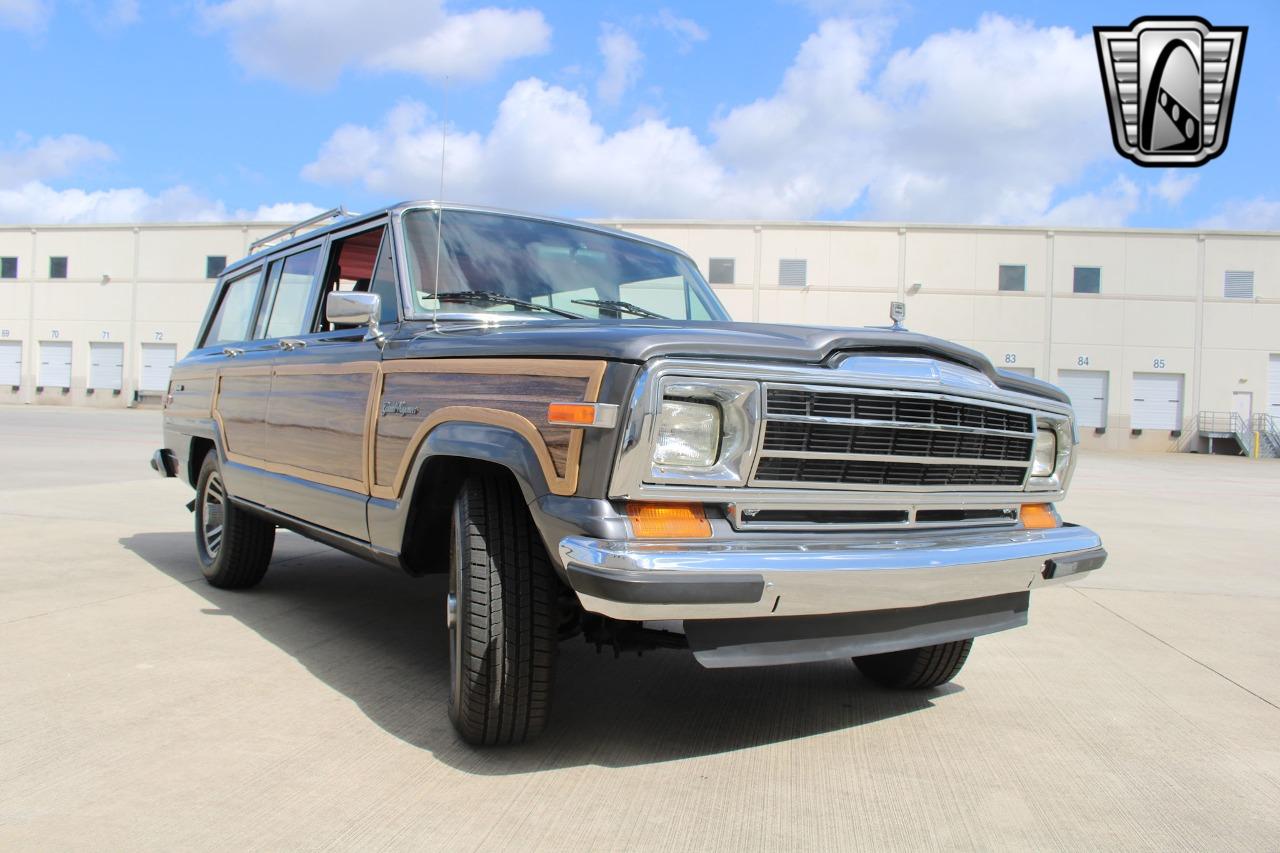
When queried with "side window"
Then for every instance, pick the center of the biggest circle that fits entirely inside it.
(235, 311)
(351, 267)
(291, 302)
(384, 283)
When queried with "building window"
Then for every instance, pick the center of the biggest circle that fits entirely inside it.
(214, 265)
(793, 272)
(1087, 280)
(8, 267)
(1013, 277)
(1238, 284)
(57, 267)
(720, 271)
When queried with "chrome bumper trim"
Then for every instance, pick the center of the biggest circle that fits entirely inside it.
(838, 574)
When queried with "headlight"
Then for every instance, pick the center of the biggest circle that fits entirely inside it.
(687, 435)
(1045, 456)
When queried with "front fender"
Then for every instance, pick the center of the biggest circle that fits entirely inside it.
(496, 445)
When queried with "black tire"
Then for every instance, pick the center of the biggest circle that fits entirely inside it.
(916, 669)
(502, 616)
(235, 553)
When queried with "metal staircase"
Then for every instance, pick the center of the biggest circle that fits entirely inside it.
(1258, 438)
(1267, 428)
(1225, 425)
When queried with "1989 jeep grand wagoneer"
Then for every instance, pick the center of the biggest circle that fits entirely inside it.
(563, 418)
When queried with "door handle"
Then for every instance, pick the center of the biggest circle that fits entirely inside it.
(232, 352)
(289, 344)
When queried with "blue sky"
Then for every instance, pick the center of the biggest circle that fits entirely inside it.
(123, 110)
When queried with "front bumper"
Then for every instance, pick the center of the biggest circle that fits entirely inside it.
(783, 576)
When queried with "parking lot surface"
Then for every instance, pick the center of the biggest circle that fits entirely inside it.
(142, 709)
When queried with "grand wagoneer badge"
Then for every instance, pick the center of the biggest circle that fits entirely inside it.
(398, 407)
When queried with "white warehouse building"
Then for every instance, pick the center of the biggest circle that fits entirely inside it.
(1145, 329)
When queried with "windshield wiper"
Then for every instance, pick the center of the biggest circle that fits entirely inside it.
(490, 297)
(619, 305)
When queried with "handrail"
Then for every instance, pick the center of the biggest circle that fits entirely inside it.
(339, 212)
(1221, 422)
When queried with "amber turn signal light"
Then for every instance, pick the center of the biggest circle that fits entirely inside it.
(1038, 516)
(668, 521)
(577, 414)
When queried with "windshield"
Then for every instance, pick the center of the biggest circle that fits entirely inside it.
(500, 264)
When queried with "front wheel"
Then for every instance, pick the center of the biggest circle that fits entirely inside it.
(234, 546)
(916, 669)
(501, 614)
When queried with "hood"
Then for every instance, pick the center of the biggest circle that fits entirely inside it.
(641, 341)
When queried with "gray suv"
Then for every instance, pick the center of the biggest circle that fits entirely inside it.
(563, 419)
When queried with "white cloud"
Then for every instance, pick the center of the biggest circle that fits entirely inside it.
(686, 31)
(38, 203)
(28, 16)
(310, 44)
(111, 14)
(1255, 214)
(1110, 206)
(33, 16)
(1174, 185)
(990, 124)
(49, 157)
(288, 211)
(28, 166)
(622, 62)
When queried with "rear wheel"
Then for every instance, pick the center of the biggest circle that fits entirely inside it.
(234, 546)
(501, 614)
(916, 669)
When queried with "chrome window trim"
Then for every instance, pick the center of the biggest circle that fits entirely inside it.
(629, 479)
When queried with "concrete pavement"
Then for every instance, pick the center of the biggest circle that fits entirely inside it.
(141, 708)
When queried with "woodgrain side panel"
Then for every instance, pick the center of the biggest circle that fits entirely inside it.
(241, 404)
(316, 421)
(509, 392)
(192, 396)
(525, 396)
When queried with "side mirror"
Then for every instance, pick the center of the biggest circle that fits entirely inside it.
(355, 308)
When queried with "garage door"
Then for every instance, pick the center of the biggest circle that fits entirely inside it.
(1157, 401)
(55, 364)
(106, 366)
(1022, 371)
(10, 362)
(1088, 392)
(157, 362)
(1273, 387)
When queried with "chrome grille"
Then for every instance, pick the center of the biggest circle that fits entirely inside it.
(887, 441)
(829, 438)
(915, 410)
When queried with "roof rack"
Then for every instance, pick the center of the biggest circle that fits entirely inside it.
(292, 231)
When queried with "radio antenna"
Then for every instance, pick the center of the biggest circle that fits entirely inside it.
(444, 136)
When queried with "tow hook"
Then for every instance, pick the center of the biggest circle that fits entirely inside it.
(1050, 569)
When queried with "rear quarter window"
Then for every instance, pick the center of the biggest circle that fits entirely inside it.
(235, 310)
